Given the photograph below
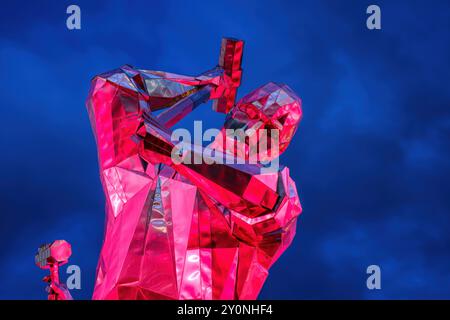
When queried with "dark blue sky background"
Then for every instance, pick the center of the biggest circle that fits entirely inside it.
(371, 157)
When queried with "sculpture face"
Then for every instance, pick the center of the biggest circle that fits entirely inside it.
(272, 106)
(176, 231)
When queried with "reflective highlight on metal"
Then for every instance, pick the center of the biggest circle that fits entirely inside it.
(188, 231)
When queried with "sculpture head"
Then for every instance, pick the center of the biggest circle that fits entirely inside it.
(268, 108)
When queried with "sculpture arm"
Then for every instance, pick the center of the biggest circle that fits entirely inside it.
(263, 206)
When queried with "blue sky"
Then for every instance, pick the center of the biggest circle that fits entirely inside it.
(370, 158)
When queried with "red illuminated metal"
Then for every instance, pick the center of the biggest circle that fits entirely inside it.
(52, 256)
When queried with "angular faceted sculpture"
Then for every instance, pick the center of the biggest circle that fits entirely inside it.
(182, 230)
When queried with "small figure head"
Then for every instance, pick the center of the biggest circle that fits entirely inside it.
(58, 252)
